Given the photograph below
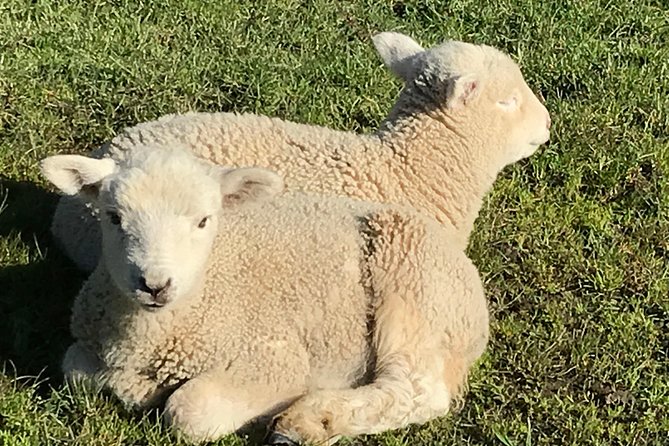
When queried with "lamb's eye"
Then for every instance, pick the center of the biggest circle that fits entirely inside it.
(511, 102)
(203, 222)
(114, 218)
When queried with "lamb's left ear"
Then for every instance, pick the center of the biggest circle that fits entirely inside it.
(74, 174)
(249, 185)
(398, 53)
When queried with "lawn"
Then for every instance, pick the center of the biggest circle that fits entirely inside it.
(572, 244)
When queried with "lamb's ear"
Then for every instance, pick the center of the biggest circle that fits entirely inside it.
(249, 185)
(398, 52)
(463, 90)
(73, 174)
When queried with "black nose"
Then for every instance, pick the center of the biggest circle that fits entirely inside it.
(157, 292)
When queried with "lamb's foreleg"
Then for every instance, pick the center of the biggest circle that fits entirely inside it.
(228, 397)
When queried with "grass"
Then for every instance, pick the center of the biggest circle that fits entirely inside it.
(573, 244)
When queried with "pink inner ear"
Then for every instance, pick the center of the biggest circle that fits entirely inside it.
(469, 90)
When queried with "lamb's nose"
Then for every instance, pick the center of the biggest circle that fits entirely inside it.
(157, 292)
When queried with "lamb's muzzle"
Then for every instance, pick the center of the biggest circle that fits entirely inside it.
(158, 294)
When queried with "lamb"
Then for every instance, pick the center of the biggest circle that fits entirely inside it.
(464, 114)
(233, 301)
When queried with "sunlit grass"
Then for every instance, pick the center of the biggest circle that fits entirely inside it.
(572, 244)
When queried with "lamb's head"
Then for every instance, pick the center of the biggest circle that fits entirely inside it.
(475, 89)
(160, 210)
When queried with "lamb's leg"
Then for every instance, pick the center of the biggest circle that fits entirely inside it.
(411, 385)
(430, 325)
(227, 398)
(401, 395)
(205, 408)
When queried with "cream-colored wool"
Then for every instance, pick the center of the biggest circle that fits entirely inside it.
(233, 301)
(464, 114)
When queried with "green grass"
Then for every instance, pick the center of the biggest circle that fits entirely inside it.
(573, 244)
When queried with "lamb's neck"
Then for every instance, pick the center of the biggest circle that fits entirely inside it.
(444, 161)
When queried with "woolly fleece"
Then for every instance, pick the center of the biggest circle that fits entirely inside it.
(465, 112)
(343, 317)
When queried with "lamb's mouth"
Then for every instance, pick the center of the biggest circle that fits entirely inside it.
(147, 302)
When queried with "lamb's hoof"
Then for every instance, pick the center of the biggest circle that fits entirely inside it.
(277, 439)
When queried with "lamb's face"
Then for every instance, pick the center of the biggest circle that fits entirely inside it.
(159, 220)
(159, 215)
(478, 89)
(516, 117)
(484, 90)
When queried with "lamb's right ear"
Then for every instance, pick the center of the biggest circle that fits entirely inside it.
(248, 185)
(398, 52)
(463, 90)
(73, 174)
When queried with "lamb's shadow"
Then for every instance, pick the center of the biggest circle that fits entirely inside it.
(37, 286)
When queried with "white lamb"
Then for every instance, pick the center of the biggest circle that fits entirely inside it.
(342, 317)
(464, 114)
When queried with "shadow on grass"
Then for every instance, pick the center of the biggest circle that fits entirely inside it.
(35, 292)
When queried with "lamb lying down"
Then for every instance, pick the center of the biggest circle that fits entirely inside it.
(464, 114)
(232, 301)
